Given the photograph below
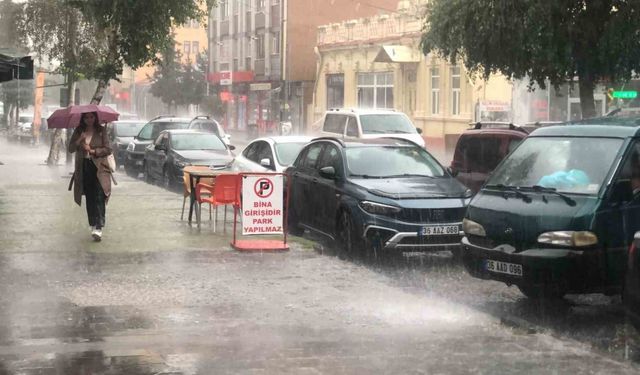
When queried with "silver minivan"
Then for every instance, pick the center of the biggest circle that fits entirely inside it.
(368, 124)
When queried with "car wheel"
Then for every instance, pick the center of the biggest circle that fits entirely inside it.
(147, 175)
(346, 235)
(544, 292)
(293, 224)
(129, 170)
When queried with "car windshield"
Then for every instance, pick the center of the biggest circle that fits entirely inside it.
(197, 141)
(570, 165)
(128, 129)
(287, 152)
(153, 129)
(386, 124)
(208, 126)
(391, 161)
(25, 119)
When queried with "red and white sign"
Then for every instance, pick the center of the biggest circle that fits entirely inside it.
(262, 204)
(226, 78)
(494, 106)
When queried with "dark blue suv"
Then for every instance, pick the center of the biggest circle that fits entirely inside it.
(380, 195)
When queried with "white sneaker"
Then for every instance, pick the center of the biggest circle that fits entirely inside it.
(97, 235)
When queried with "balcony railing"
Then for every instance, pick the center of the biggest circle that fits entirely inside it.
(363, 29)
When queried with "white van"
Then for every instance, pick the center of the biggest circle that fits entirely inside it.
(368, 123)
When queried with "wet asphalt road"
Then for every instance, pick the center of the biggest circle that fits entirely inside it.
(159, 297)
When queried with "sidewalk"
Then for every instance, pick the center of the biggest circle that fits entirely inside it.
(157, 296)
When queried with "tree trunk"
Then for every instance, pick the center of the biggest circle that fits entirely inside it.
(71, 88)
(54, 151)
(100, 90)
(587, 103)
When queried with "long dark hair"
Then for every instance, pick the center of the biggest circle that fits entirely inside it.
(83, 124)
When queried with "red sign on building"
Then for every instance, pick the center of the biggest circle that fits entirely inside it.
(238, 76)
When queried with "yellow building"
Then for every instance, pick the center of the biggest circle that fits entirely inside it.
(191, 40)
(376, 62)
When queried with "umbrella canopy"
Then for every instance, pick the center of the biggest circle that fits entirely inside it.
(70, 117)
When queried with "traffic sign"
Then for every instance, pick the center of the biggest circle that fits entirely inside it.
(262, 204)
(625, 94)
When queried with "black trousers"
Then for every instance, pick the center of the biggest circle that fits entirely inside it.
(95, 197)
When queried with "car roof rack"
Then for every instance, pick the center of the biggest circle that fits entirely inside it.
(161, 116)
(205, 117)
(480, 125)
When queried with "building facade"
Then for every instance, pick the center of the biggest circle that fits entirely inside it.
(262, 62)
(376, 62)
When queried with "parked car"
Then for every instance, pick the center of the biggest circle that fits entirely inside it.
(480, 149)
(134, 162)
(172, 150)
(558, 214)
(209, 125)
(368, 124)
(25, 123)
(270, 154)
(631, 294)
(382, 195)
(121, 133)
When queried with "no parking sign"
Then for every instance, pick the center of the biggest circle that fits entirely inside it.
(262, 204)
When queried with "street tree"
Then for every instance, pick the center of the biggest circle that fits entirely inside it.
(594, 41)
(96, 38)
(10, 14)
(177, 83)
(132, 33)
(166, 78)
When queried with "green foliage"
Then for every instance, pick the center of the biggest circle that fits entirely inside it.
(593, 40)
(10, 14)
(167, 75)
(107, 33)
(179, 84)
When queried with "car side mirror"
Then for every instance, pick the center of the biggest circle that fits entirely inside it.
(452, 171)
(419, 130)
(231, 147)
(621, 192)
(265, 162)
(328, 172)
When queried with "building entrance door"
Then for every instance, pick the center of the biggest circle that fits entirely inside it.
(409, 94)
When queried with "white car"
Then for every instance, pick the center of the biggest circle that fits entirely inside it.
(367, 124)
(270, 154)
(209, 125)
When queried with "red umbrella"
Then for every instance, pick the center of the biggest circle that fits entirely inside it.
(70, 117)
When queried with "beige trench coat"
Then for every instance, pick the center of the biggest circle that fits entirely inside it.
(100, 143)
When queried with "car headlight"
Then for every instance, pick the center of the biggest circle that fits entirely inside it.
(378, 208)
(473, 228)
(131, 147)
(568, 238)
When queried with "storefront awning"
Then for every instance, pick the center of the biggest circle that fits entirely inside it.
(397, 54)
(14, 64)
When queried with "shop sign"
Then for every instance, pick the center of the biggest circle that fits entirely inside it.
(494, 106)
(226, 78)
(260, 86)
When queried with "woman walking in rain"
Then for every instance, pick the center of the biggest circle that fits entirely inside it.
(92, 177)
